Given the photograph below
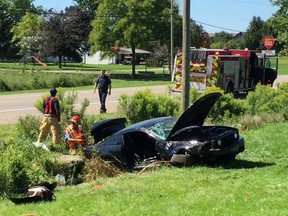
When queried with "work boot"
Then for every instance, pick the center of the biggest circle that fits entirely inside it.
(72, 152)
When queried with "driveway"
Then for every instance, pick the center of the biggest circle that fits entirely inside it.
(14, 106)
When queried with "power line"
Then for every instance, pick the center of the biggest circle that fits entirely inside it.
(202, 23)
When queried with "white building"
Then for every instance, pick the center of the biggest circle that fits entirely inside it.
(122, 54)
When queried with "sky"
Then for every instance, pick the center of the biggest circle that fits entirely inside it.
(213, 15)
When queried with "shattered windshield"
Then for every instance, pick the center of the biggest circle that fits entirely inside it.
(162, 129)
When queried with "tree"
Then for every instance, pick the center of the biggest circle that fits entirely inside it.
(197, 34)
(177, 27)
(18, 8)
(278, 22)
(161, 49)
(66, 34)
(11, 13)
(27, 33)
(5, 26)
(89, 6)
(129, 23)
(225, 40)
(253, 36)
(220, 39)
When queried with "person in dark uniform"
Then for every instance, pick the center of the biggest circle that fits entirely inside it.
(51, 118)
(103, 83)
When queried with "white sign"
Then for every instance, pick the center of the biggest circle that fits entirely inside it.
(269, 52)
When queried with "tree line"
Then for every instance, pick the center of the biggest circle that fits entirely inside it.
(102, 25)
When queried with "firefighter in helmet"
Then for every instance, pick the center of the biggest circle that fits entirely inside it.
(51, 118)
(74, 135)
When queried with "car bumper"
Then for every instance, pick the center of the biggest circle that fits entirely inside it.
(235, 149)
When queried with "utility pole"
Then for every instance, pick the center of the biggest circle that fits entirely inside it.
(185, 56)
(171, 40)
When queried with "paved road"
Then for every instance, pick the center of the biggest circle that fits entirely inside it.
(14, 106)
(280, 79)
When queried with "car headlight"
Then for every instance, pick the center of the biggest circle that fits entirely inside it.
(235, 135)
(168, 145)
(219, 142)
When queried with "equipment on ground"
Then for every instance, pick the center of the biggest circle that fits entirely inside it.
(42, 191)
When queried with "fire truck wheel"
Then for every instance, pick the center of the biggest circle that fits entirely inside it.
(229, 87)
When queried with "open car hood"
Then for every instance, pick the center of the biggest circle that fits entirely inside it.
(107, 127)
(196, 113)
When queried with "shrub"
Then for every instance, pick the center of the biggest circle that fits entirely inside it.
(268, 101)
(194, 95)
(4, 86)
(15, 176)
(28, 127)
(31, 79)
(227, 109)
(258, 101)
(145, 105)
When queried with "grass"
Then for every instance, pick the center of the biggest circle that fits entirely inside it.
(33, 81)
(88, 68)
(255, 184)
(282, 65)
(112, 68)
(116, 83)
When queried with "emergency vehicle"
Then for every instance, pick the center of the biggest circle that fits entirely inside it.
(234, 70)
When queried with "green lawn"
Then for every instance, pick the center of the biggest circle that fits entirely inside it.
(79, 67)
(41, 80)
(283, 66)
(113, 68)
(255, 184)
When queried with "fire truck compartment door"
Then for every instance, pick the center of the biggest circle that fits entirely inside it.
(231, 71)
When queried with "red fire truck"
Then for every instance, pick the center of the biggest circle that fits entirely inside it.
(234, 71)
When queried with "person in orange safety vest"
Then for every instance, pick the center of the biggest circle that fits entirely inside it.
(51, 118)
(74, 135)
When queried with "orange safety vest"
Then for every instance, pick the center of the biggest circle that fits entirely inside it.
(75, 133)
(48, 105)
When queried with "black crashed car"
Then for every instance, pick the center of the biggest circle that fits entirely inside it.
(181, 141)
